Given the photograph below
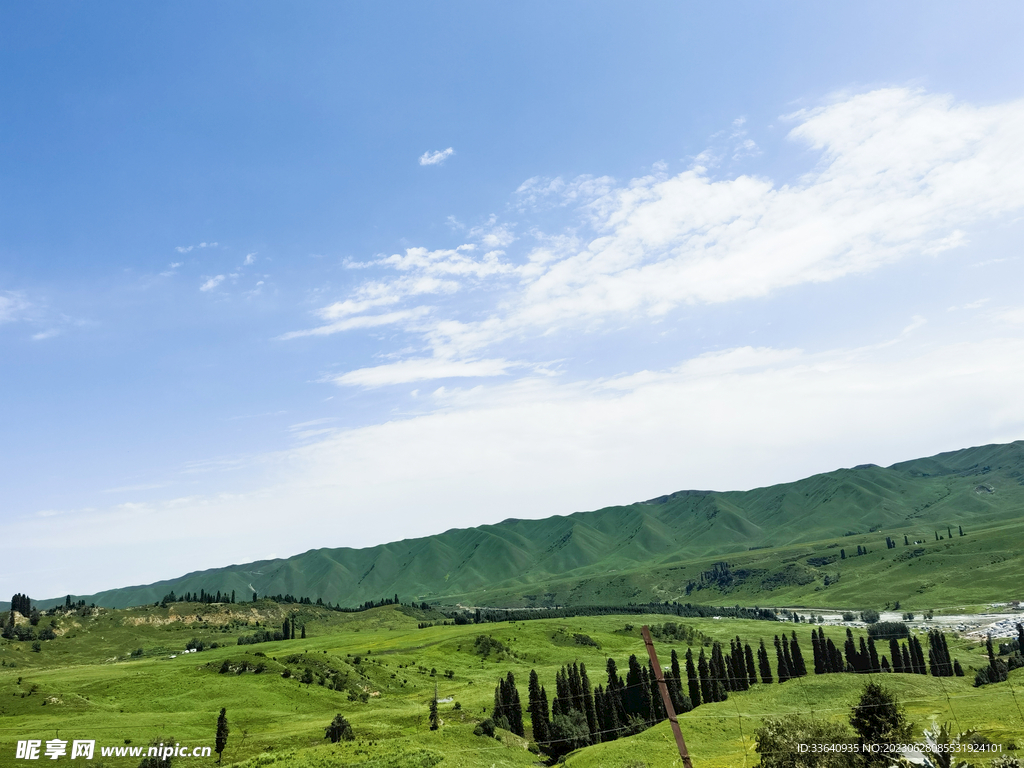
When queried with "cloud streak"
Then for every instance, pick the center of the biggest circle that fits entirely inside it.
(436, 158)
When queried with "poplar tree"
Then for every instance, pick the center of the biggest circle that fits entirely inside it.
(538, 717)
(221, 740)
(763, 665)
(799, 667)
(751, 668)
(704, 675)
(692, 682)
(781, 664)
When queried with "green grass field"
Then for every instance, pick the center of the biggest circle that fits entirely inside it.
(84, 684)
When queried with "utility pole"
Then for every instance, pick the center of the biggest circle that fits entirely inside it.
(663, 687)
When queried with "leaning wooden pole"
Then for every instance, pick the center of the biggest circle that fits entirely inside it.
(663, 687)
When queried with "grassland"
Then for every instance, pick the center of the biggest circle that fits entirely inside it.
(86, 684)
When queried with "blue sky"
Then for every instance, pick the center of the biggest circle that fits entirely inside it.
(275, 277)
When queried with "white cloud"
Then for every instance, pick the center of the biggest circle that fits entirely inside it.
(47, 334)
(425, 369)
(250, 258)
(362, 321)
(12, 305)
(184, 248)
(212, 283)
(436, 158)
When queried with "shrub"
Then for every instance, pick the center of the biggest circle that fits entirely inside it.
(869, 616)
(486, 728)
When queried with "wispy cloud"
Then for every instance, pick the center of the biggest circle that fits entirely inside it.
(188, 248)
(212, 283)
(901, 174)
(408, 371)
(47, 334)
(12, 305)
(436, 158)
(250, 258)
(362, 321)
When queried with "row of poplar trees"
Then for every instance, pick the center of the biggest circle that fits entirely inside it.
(580, 715)
(906, 657)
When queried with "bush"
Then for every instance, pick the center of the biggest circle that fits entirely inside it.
(486, 728)
(778, 738)
(339, 730)
(869, 616)
(848, 616)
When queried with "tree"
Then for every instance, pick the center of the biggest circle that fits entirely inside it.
(692, 683)
(435, 718)
(339, 730)
(878, 718)
(568, 732)
(799, 667)
(222, 733)
(780, 661)
(778, 740)
(764, 667)
(537, 710)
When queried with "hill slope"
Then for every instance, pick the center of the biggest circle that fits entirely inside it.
(619, 553)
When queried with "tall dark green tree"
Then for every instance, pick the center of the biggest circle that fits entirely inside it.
(897, 656)
(878, 718)
(221, 739)
(704, 675)
(538, 715)
(339, 730)
(692, 681)
(435, 716)
(589, 706)
(873, 662)
(799, 667)
(762, 662)
(748, 656)
(781, 664)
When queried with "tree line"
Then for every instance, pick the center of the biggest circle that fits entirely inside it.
(684, 610)
(580, 714)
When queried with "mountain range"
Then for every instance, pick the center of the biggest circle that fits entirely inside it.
(778, 543)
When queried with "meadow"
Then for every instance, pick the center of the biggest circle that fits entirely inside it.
(109, 676)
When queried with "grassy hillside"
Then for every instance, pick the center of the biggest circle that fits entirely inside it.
(653, 549)
(86, 684)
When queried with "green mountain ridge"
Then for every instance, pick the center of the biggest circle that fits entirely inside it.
(622, 553)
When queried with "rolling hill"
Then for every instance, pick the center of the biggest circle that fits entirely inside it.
(782, 544)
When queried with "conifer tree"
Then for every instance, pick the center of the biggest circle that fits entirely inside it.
(897, 657)
(719, 673)
(781, 665)
(704, 675)
(819, 663)
(435, 717)
(636, 696)
(513, 706)
(763, 666)
(835, 655)
(748, 655)
(799, 667)
(863, 658)
(908, 659)
(221, 739)
(692, 682)
(589, 705)
(787, 656)
(537, 720)
(873, 662)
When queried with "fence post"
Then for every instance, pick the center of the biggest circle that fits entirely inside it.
(663, 687)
